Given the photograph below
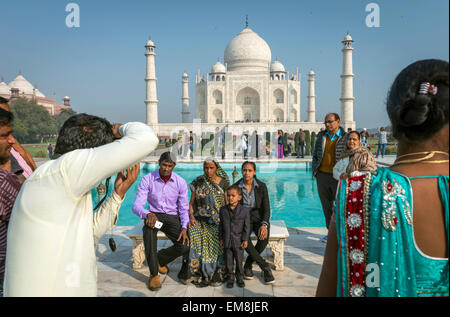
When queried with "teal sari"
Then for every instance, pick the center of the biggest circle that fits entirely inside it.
(377, 254)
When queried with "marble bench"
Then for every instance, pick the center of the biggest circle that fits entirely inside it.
(278, 234)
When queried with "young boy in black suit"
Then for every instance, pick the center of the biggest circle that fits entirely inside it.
(234, 233)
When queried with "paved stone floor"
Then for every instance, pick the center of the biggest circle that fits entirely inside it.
(303, 257)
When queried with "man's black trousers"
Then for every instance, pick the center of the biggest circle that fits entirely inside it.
(172, 229)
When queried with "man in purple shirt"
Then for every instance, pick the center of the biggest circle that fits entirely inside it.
(167, 197)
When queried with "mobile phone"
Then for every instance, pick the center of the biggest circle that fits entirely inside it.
(158, 224)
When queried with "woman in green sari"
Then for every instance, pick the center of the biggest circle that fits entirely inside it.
(208, 196)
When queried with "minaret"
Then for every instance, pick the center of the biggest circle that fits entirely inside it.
(185, 99)
(311, 98)
(347, 85)
(151, 100)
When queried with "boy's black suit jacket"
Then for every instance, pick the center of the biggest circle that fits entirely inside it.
(234, 225)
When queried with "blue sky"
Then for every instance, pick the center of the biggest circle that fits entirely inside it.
(101, 64)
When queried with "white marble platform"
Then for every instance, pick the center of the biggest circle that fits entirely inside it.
(303, 256)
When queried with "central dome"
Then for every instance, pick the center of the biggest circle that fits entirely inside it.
(247, 51)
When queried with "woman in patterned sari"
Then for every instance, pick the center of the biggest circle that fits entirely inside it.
(208, 196)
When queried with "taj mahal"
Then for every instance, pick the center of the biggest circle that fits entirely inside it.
(248, 92)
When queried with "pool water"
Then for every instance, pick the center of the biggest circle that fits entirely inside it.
(292, 191)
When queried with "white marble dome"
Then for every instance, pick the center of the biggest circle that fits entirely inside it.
(218, 68)
(4, 89)
(185, 75)
(277, 67)
(150, 43)
(247, 51)
(22, 84)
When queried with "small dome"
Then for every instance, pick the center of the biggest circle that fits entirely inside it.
(185, 75)
(150, 43)
(218, 68)
(4, 89)
(348, 38)
(277, 67)
(66, 97)
(311, 72)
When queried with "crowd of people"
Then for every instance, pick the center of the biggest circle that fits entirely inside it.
(392, 219)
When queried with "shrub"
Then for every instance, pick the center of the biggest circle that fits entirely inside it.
(307, 143)
(40, 153)
(313, 141)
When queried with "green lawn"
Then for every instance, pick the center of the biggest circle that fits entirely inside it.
(37, 150)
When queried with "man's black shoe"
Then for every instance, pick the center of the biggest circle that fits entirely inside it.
(240, 284)
(248, 273)
(268, 276)
(230, 284)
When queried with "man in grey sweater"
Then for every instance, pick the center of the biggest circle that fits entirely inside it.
(330, 144)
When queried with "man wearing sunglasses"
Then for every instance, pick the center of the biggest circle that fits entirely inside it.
(330, 144)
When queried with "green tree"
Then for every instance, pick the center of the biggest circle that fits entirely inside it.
(313, 141)
(32, 122)
(62, 117)
(307, 142)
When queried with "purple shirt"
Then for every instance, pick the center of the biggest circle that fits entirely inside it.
(169, 198)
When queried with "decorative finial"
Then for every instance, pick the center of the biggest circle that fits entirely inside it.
(246, 20)
(20, 72)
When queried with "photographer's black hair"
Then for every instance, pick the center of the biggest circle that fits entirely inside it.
(415, 116)
(83, 131)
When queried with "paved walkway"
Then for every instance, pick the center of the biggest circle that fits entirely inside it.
(303, 261)
(303, 258)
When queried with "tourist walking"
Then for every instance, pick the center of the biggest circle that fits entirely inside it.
(355, 159)
(191, 145)
(50, 150)
(330, 144)
(234, 234)
(299, 140)
(207, 197)
(168, 210)
(280, 144)
(244, 145)
(382, 141)
(364, 137)
(52, 230)
(256, 197)
(389, 235)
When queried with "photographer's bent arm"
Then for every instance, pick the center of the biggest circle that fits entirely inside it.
(89, 166)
